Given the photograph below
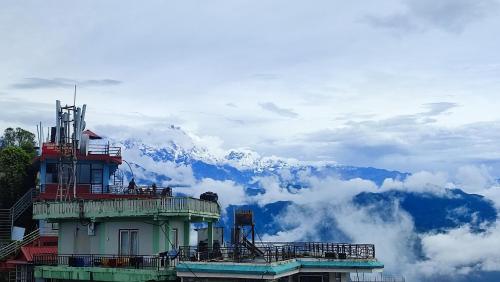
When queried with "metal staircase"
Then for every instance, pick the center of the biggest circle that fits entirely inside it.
(7, 219)
(13, 247)
(5, 226)
(25, 202)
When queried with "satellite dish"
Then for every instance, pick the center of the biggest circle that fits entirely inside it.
(84, 145)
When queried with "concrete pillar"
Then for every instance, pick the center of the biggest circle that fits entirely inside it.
(168, 236)
(210, 232)
(187, 230)
(156, 238)
(101, 230)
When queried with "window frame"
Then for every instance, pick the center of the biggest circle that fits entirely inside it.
(129, 242)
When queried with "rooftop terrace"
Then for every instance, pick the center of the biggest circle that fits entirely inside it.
(95, 152)
(279, 251)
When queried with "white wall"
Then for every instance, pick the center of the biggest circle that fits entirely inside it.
(74, 238)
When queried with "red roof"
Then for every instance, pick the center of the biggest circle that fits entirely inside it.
(91, 134)
(29, 251)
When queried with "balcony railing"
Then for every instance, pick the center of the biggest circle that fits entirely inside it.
(94, 149)
(270, 252)
(273, 252)
(104, 149)
(167, 206)
(95, 191)
(110, 261)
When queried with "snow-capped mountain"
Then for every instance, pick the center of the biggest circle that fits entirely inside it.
(295, 200)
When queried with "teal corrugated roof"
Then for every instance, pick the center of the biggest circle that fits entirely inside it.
(273, 269)
(369, 264)
(238, 268)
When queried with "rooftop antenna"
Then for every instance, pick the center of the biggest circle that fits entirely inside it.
(68, 134)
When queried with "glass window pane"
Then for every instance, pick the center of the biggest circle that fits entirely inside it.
(134, 243)
(51, 173)
(124, 243)
(84, 173)
(96, 176)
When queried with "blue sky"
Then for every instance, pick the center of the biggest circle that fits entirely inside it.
(405, 85)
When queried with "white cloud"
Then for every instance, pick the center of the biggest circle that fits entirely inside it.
(474, 179)
(228, 191)
(420, 182)
(461, 250)
(329, 190)
(326, 205)
(393, 235)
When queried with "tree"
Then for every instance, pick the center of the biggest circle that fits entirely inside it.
(15, 164)
(19, 138)
(17, 174)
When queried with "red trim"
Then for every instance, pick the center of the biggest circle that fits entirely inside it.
(51, 151)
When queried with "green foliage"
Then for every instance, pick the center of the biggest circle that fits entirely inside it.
(19, 138)
(17, 175)
(15, 166)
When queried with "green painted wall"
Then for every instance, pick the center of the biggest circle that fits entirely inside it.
(103, 274)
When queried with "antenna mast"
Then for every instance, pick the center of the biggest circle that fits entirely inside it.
(68, 132)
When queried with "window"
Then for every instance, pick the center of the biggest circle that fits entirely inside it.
(51, 173)
(84, 173)
(129, 242)
(96, 176)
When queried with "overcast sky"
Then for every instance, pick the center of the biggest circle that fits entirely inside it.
(405, 85)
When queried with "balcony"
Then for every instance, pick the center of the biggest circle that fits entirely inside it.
(102, 267)
(95, 152)
(108, 208)
(48, 192)
(111, 261)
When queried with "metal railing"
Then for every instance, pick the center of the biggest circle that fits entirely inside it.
(13, 247)
(99, 188)
(357, 277)
(104, 149)
(9, 216)
(325, 249)
(125, 206)
(93, 149)
(273, 252)
(22, 204)
(95, 260)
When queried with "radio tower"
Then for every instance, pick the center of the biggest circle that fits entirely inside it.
(69, 126)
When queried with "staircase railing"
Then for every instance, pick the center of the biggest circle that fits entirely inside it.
(22, 205)
(13, 247)
(9, 216)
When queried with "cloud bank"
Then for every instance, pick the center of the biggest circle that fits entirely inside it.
(48, 83)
